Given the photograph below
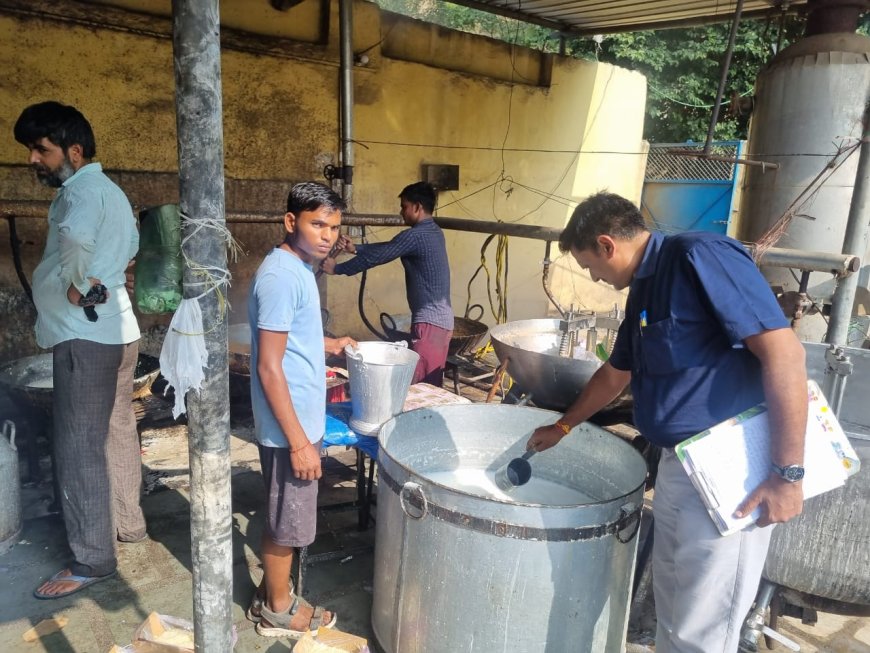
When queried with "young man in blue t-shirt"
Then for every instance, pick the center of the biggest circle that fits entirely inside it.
(288, 397)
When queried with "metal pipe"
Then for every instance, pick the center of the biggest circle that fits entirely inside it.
(764, 165)
(726, 64)
(345, 24)
(854, 242)
(461, 224)
(24, 208)
(545, 280)
(15, 247)
(842, 265)
(838, 369)
(199, 117)
(754, 622)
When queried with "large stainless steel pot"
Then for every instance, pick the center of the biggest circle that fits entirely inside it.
(532, 346)
(456, 570)
(825, 552)
(30, 379)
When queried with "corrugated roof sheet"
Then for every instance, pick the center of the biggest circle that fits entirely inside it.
(607, 16)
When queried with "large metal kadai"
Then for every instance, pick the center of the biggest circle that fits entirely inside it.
(461, 566)
(825, 552)
(30, 379)
(532, 350)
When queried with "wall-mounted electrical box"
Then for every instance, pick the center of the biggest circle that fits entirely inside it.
(443, 176)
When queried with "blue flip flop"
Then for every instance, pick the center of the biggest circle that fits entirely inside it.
(83, 582)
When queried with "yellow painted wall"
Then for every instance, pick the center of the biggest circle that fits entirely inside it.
(302, 24)
(527, 150)
(594, 109)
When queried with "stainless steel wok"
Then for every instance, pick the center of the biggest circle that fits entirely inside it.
(532, 347)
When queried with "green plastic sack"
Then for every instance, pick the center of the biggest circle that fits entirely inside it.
(159, 264)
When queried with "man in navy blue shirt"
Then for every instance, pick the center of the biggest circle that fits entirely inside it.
(703, 339)
(427, 277)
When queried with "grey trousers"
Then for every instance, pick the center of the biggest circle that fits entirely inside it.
(97, 452)
(704, 583)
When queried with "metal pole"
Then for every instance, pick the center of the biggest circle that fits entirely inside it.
(726, 64)
(196, 47)
(855, 242)
(345, 22)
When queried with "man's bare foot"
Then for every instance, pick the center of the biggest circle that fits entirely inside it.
(64, 583)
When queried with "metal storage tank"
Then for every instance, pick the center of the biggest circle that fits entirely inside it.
(809, 101)
(460, 568)
(825, 552)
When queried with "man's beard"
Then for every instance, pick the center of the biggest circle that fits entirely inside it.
(55, 178)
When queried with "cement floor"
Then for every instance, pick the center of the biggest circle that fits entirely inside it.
(155, 575)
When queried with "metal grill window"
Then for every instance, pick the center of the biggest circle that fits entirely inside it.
(663, 165)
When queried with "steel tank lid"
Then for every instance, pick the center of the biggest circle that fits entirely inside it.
(848, 42)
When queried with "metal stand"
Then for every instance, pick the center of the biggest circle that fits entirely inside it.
(465, 371)
(363, 503)
(364, 492)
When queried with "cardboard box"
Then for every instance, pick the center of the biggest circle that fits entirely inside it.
(329, 640)
(163, 634)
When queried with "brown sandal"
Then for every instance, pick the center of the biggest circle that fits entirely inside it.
(255, 610)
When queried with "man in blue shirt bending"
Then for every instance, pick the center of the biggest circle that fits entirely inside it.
(703, 340)
(427, 277)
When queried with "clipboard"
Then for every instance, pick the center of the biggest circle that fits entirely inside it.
(728, 461)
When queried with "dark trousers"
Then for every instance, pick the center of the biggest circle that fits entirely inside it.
(96, 449)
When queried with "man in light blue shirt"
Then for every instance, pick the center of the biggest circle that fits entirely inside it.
(85, 315)
(288, 397)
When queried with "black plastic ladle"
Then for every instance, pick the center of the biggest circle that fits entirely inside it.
(517, 472)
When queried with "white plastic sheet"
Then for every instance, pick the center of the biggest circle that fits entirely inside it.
(184, 357)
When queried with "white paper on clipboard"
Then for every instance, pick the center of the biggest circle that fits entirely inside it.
(728, 461)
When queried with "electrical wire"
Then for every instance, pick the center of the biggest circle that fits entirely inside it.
(498, 308)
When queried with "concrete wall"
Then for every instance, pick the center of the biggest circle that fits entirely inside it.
(521, 125)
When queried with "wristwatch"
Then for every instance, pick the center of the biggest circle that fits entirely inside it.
(789, 473)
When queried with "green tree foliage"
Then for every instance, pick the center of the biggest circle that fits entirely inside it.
(682, 66)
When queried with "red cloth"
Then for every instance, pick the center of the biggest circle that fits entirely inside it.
(336, 393)
(432, 343)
